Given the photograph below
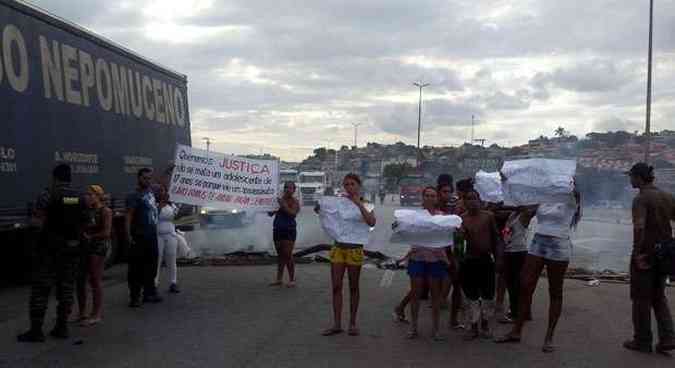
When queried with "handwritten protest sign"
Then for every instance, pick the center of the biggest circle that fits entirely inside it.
(420, 228)
(342, 220)
(221, 181)
(536, 181)
(489, 186)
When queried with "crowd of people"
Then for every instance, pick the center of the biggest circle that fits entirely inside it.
(488, 256)
(75, 235)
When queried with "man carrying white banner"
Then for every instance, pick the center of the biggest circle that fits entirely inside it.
(219, 181)
(429, 232)
(348, 221)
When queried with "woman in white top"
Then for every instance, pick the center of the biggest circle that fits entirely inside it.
(515, 253)
(166, 238)
(551, 248)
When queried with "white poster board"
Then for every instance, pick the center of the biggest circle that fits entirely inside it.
(489, 186)
(342, 220)
(536, 181)
(420, 228)
(221, 181)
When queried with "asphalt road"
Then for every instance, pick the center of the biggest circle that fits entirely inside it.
(229, 317)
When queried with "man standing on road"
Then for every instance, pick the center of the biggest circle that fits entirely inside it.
(141, 230)
(653, 209)
(60, 214)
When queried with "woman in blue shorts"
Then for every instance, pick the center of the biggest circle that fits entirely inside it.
(427, 263)
(551, 248)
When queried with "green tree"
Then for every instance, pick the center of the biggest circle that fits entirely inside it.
(560, 132)
(398, 170)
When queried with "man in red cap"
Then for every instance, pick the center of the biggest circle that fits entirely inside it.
(653, 209)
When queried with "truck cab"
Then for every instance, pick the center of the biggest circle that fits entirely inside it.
(311, 186)
(410, 190)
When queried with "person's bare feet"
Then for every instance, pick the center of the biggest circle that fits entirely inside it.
(332, 331)
(276, 283)
(291, 284)
(353, 331)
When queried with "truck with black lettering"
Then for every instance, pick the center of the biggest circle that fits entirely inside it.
(71, 96)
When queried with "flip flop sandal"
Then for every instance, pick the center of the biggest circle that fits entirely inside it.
(457, 327)
(91, 322)
(507, 339)
(332, 332)
(548, 348)
(399, 317)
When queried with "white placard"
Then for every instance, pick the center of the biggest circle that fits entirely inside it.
(222, 181)
(537, 181)
(489, 186)
(342, 220)
(420, 228)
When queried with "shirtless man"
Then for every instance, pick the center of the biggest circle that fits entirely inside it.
(483, 258)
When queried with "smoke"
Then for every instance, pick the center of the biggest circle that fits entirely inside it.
(254, 235)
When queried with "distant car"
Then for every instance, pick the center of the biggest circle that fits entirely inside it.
(210, 218)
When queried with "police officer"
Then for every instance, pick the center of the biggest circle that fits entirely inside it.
(60, 213)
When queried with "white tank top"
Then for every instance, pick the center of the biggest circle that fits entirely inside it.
(166, 216)
(518, 240)
(555, 219)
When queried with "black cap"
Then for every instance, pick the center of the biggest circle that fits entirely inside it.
(640, 169)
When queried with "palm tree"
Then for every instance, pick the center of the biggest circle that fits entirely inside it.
(561, 132)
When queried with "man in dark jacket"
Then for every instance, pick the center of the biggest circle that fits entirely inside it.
(653, 210)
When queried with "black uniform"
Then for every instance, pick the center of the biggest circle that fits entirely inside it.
(57, 253)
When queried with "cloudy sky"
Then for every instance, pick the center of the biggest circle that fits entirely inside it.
(286, 76)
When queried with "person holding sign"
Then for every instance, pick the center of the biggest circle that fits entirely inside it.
(285, 233)
(551, 248)
(344, 256)
(427, 264)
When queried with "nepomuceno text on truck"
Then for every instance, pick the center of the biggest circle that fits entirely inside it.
(71, 96)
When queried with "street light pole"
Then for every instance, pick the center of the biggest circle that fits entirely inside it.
(649, 86)
(419, 85)
(356, 133)
(208, 144)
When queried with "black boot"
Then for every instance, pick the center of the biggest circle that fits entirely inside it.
(32, 335)
(60, 331)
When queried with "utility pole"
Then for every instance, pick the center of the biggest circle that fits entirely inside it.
(419, 85)
(356, 132)
(472, 122)
(648, 122)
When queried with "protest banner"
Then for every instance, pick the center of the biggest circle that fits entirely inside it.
(536, 181)
(489, 186)
(222, 181)
(342, 220)
(420, 228)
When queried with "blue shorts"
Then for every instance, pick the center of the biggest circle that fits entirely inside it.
(551, 248)
(437, 270)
